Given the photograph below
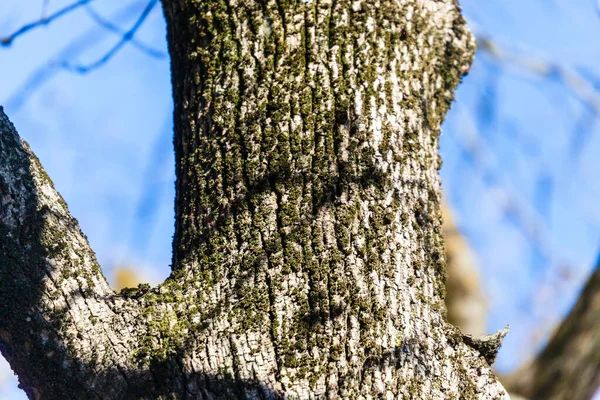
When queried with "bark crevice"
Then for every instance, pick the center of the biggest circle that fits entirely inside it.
(307, 256)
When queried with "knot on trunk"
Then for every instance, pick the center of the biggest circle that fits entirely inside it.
(487, 345)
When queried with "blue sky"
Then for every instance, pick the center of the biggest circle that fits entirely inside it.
(538, 157)
(105, 139)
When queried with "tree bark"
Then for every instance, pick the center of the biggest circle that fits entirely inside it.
(308, 260)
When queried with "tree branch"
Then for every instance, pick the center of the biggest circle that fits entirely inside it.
(65, 333)
(577, 84)
(127, 37)
(108, 25)
(7, 40)
(57, 311)
(47, 70)
(569, 365)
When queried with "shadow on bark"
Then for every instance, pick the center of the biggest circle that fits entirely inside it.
(195, 386)
(35, 255)
(362, 173)
(33, 327)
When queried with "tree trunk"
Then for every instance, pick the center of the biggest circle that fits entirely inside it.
(307, 259)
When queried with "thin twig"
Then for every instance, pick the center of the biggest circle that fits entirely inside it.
(44, 9)
(507, 197)
(108, 25)
(581, 87)
(51, 67)
(6, 41)
(127, 37)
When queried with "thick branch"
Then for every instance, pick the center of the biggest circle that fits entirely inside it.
(306, 148)
(53, 295)
(62, 329)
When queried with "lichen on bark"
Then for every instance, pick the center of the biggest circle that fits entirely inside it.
(307, 260)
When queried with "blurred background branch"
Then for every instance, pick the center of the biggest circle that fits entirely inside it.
(110, 26)
(44, 20)
(125, 38)
(569, 365)
(580, 86)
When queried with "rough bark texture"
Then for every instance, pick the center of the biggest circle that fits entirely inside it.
(307, 261)
(569, 366)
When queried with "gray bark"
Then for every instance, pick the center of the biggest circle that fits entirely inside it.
(308, 260)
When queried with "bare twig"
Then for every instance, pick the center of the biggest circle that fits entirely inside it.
(6, 41)
(581, 87)
(524, 216)
(44, 13)
(127, 37)
(46, 71)
(108, 25)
